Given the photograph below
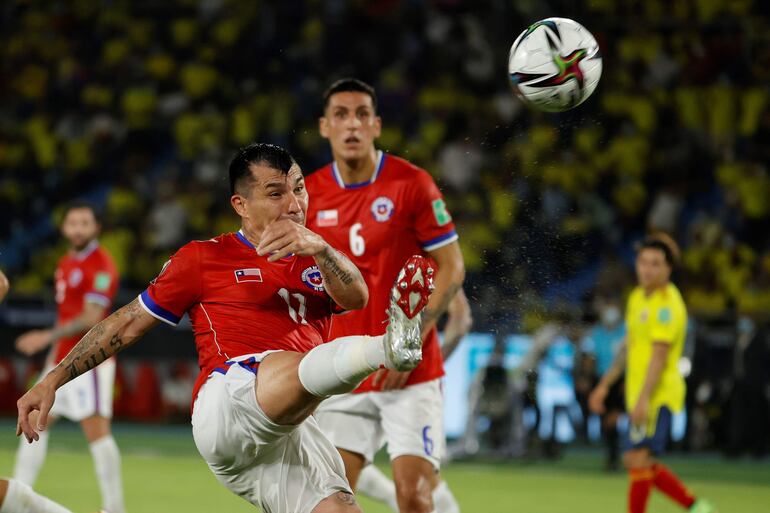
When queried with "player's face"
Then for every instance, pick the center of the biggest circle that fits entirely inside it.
(80, 227)
(652, 270)
(351, 125)
(272, 195)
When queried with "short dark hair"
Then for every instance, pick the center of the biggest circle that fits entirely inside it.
(77, 205)
(270, 155)
(346, 85)
(664, 243)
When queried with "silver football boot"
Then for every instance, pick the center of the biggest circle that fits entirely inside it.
(408, 297)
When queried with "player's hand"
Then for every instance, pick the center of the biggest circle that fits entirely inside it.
(389, 379)
(33, 342)
(285, 237)
(639, 414)
(39, 398)
(596, 399)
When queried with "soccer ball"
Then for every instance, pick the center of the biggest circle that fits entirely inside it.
(555, 64)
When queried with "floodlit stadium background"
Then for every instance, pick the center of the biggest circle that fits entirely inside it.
(137, 106)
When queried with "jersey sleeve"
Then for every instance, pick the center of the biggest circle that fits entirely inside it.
(433, 223)
(102, 285)
(663, 324)
(176, 289)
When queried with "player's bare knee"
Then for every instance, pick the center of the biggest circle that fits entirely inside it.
(636, 459)
(340, 502)
(414, 496)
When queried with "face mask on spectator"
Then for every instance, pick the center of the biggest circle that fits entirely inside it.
(610, 315)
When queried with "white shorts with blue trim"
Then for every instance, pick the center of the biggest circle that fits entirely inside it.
(88, 395)
(280, 469)
(409, 421)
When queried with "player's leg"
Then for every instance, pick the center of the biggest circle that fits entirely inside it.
(377, 486)
(415, 479)
(638, 462)
(106, 456)
(645, 472)
(30, 457)
(352, 424)
(95, 421)
(291, 385)
(278, 468)
(17, 497)
(412, 420)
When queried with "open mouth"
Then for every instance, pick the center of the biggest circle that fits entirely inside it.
(352, 140)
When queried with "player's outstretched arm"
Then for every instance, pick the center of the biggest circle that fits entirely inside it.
(458, 323)
(113, 334)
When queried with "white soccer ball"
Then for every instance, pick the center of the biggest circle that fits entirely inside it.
(555, 64)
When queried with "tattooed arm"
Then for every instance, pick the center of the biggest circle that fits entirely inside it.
(342, 279)
(113, 334)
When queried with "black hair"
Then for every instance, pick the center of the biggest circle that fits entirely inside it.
(270, 155)
(77, 205)
(663, 243)
(346, 85)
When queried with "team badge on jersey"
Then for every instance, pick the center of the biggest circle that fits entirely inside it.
(75, 277)
(312, 278)
(382, 209)
(246, 275)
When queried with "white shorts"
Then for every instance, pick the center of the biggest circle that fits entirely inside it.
(410, 421)
(280, 469)
(87, 395)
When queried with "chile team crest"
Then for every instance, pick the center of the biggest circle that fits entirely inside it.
(312, 278)
(382, 209)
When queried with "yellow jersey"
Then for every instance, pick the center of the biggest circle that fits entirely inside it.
(659, 317)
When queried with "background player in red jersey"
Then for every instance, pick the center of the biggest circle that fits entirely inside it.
(86, 282)
(379, 209)
(260, 303)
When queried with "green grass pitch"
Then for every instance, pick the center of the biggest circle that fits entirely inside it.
(164, 474)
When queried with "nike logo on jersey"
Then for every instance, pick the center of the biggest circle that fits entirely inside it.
(246, 275)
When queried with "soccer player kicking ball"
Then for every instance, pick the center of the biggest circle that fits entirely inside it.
(260, 303)
(378, 209)
(656, 324)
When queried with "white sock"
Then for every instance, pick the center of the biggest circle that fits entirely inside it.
(339, 366)
(19, 498)
(376, 485)
(443, 500)
(30, 459)
(107, 464)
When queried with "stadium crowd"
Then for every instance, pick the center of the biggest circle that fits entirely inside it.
(137, 107)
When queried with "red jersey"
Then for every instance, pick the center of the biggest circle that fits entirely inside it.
(239, 303)
(379, 224)
(88, 276)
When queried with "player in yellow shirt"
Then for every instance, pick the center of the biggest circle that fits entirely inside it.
(656, 325)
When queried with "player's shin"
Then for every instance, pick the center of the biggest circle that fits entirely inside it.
(443, 499)
(30, 459)
(107, 465)
(20, 498)
(337, 367)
